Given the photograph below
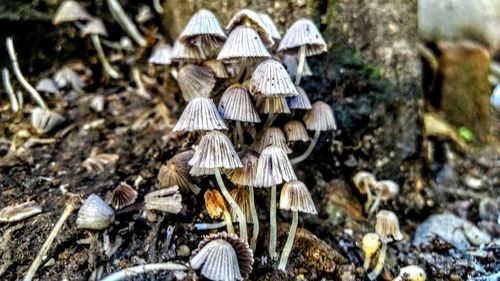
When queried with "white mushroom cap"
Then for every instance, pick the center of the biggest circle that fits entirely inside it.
(386, 189)
(161, 54)
(300, 101)
(236, 104)
(44, 119)
(243, 42)
(94, 26)
(271, 27)
(296, 197)
(95, 214)
(123, 195)
(296, 131)
(363, 180)
(47, 85)
(273, 167)
(272, 136)
(200, 114)
(185, 53)
(69, 11)
(387, 226)
(245, 176)
(411, 273)
(251, 19)
(215, 151)
(303, 33)
(271, 79)
(320, 118)
(195, 81)
(204, 26)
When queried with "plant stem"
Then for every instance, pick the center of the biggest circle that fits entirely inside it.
(207, 226)
(289, 241)
(272, 240)
(241, 217)
(19, 75)
(229, 222)
(255, 219)
(102, 57)
(125, 22)
(301, 63)
(380, 263)
(14, 105)
(309, 149)
(140, 269)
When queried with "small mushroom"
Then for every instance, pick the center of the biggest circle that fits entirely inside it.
(370, 246)
(165, 200)
(203, 31)
(195, 81)
(364, 181)
(47, 85)
(67, 76)
(70, 11)
(300, 101)
(242, 44)
(200, 114)
(384, 191)
(176, 172)
(183, 53)
(95, 214)
(161, 54)
(216, 208)
(250, 18)
(123, 195)
(411, 273)
(44, 120)
(272, 136)
(296, 131)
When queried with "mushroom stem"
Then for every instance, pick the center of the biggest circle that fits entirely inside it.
(300, 65)
(14, 105)
(239, 131)
(42, 254)
(366, 263)
(241, 217)
(20, 99)
(272, 240)
(229, 222)
(255, 219)
(141, 90)
(207, 226)
(289, 241)
(125, 22)
(19, 75)
(375, 205)
(380, 263)
(141, 269)
(102, 57)
(369, 199)
(158, 7)
(270, 117)
(309, 149)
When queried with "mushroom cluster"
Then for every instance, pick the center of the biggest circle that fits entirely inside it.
(383, 190)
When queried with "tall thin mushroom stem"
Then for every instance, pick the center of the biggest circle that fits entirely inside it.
(309, 149)
(239, 131)
(14, 105)
(158, 7)
(301, 63)
(19, 75)
(229, 222)
(255, 219)
(241, 217)
(102, 57)
(380, 263)
(140, 269)
(289, 241)
(125, 22)
(272, 239)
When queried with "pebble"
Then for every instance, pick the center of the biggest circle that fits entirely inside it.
(183, 251)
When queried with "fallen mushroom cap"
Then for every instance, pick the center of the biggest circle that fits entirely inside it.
(370, 244)
(300, 101)
(67, 76)
(303, 33)
(203, 24)
(270, 78)
(123, 195)
(272, 136)
(215, 151)
(95, 26)
(240, 195)
(70, 11)
(166, 200)
(195, 81)
(387, 226)
(200, 114)
(95, 214)
(236, 104)
(161, 54)
(271, 27)
(243, 42)
(176, 172)
(273, 167)
(47, 85)
(245, 176)
(296, 131)
(363, 180)
(251, 19)
(44, 120)
(320, 118)
(296, 197)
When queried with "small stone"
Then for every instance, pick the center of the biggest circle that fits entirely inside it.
(473, 182)
(183, 251)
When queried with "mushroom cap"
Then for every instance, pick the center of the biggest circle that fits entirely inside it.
(387, 226)
(44, 119)
(320, 118)
(303, 33)
(217, 67)
(123, 195)
(271, 27)
(370, 244)
(215, 151)
(236, 104)
(411, 273)
(94, 214)
(386, 189)
(176, 172)
(47, 85)
(243, 42)
(296, 131)
(271, 79)
(240, 195)
(296, 197)
(363, 180)
(95, 26)
(161, 54)
(272, 104)
(185, 53)
(67, 76)
(272, 136)
(205, 26)
(165, 200)
(195, 81)
(273, 167)
(215, 204)
(200, 114)
(245, 176)
(300, 101)
(220, 262)
(70, 11)
(251, 19)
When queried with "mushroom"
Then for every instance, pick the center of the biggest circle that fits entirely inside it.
(364, 181)
(387, 228)
(272, 105)
(176, 172)
(95, 214)
(70, 11)
(272, 136)
(273, 168)
(270, 26)
(251, 19)
(200, 114)
(214, 152)
(123, 195)
(183, 53)
(165, 200)
(216, 208)
(44, 120)
(320, 118)
(302, 39)
(95, 28)
(241, 197)
(300, 101)
(370, 246)
(411, 273)
(47, 85)
(125, 22)
(294, 197)
(195, 81)
(296, 131)
(161, 54)
(67, 76)
(203, 31)
(384, 191)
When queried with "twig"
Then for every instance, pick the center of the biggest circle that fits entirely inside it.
(135, 270)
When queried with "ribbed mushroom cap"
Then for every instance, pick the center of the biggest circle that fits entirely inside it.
(291, 63)
(251, 19)
(176, 172)
(296, 197)
(44, 119)
(243, 42)
(303, 33)
(215, 151)
(47, 85)
(185, 53)
(272, 136)
(271, 27)
(240, 195)
(296, 131)
(165, 200)
(272, 104)
(245, 176)
(217, 67)
(216, 260)
(320, 118)
(273, 167)
(271, 79)
(94, 214)
(161, 54)
(236, 104)
(94, 26)
(215, 204)
(363, 180)
(200, 114)
(123, 195)
(387, 226)
(204, 26)
(195, 81)
(300, 101)
(69, 11)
